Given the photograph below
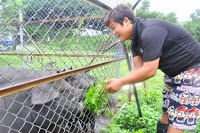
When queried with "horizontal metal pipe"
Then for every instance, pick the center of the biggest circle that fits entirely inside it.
(102, 46)
(40, 81)
(53, 20)
(110, 46)
(99, 4)
(60, 55)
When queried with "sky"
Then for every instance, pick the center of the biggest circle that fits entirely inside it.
(182, 8)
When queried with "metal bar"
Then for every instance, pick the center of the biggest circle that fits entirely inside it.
(40, 81)
(60, 55)
(53, 20)
(110, 46)
(102, 46)
(21, 34)
(134, 87)
(38, 49)
(129, 93)
(99, 5)
(136, 4)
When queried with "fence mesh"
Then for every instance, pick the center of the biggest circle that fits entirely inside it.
(40, 38)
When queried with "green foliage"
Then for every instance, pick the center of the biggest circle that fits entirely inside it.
(123, 68)
(10, 10)
(108, 112)
(82, 43)
(129, 121)
(156, 82)
(69, 45)
(144, 12)
(37, 32)
(145, 5)
(33, 10)
(113, 128)
(152, 98)
(196, 15)
(96, 98)
(193, 26)
(4, 1)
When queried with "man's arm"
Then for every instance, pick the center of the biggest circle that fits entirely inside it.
(147, 70)
(141, 71)
(137, 62)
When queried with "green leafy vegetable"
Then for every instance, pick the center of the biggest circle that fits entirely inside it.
(96, 98)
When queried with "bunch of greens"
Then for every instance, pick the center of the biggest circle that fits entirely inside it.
(96, 98)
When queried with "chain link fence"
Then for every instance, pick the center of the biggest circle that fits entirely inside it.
(40, 40)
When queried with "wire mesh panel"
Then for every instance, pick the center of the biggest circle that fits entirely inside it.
(41, 38)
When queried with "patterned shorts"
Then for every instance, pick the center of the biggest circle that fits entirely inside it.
(181, 99)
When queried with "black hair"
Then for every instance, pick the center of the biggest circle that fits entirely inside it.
(118, 13)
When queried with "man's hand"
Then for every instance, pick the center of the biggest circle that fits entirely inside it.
(114, 85)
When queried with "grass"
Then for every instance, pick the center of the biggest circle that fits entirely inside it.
(123, 68)
(153, 95)
(73, 45)
(151, 104)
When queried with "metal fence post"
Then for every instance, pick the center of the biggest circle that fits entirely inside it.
(134, 87)
(21, 37)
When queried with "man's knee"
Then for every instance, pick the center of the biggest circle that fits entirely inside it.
(164, 118)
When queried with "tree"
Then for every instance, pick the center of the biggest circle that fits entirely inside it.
(145, 5)
(193, 26)
(144, 12)
(51, 9)
(10, 10)
(195, 15)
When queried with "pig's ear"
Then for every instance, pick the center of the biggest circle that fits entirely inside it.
(43, 94)
(58, 71)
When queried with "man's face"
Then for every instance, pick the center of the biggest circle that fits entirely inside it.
(122, 32)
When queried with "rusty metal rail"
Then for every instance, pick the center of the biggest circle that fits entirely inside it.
(60, 55)
(52, 20)
(110, 46)
(40, 81)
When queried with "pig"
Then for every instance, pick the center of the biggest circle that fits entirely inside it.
(53, 107)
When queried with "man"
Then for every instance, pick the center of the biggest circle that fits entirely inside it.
(158, 44)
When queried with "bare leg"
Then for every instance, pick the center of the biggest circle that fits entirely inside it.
(162, 125)
(174, 130)
(164, 118)
(170, 129)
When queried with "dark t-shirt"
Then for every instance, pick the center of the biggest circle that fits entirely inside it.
(176, 47)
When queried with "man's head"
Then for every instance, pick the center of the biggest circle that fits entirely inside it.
(120, 20)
